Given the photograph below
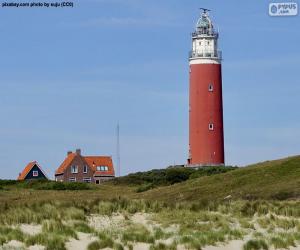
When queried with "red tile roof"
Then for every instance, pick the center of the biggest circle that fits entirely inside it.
(91, 161)
(65, 163)
(26, 170)
(94, 161)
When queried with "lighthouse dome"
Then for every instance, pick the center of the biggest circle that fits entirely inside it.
(204, 25)
(204, 22)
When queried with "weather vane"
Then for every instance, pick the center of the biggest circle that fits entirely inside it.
(204, 9)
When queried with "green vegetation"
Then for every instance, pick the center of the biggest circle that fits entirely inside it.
(137, 233)
(256, 245)
(50, 241)
(190, 224)
(164, 177)
(271, 180)
(188, 207)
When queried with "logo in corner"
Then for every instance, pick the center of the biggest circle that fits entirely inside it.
(283, 9)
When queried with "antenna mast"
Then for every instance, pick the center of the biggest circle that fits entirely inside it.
(118, 150)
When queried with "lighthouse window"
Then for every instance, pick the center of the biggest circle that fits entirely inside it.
(211, 126)
(210, 88)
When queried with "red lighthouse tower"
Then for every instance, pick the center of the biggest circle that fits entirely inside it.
(206, 138)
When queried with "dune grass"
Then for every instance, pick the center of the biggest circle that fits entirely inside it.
(262, 204)
(192, 225)
(256, 244)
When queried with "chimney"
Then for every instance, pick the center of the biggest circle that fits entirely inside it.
(78, 151)
(69, 152)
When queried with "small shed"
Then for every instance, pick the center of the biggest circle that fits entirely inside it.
(32, 171)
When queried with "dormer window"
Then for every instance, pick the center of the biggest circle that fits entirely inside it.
(211, 126)
(102, 168)
(210, 87)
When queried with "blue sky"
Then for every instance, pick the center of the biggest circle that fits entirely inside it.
(68, 76)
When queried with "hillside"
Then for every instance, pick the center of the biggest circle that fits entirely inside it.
(190, 214)
(279, 179)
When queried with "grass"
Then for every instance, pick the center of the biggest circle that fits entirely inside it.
(45, 185)
(83, 227)
(95, 245)
(265, 181)
(162, 246)
(50, 241)
(164, 177)
(264, 195)
(271, 180)
(137, 233)
(7, 234)
(194, 226)
(256, 245)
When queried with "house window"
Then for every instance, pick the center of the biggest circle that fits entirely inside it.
(87, 180)
(210, 87)
(102, 168)
(35, 173)
(72, 179)
(74, 169)
(211, 126)
(85, 169)
(97, 181)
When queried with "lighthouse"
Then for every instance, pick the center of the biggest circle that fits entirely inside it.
(206, 136)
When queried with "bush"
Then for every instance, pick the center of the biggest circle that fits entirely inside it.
(53, 185)
(162, 177)
(283, 195)
(176, 175)
(7, 182)
(144, 187)
(256, 245)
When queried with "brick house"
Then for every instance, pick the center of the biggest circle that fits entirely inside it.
(32, 171)
(79, 168)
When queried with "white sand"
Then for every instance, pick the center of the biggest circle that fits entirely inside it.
(141, 246)
(232, 245)
(140, 218)
(14, 244)
(31, 229)
(36, 247)
(238, 245)
(82, 243)
(100, 222)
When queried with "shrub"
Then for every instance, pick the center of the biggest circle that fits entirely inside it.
(53, 185)
(168, 176)
(256, 245)
(50, 241)
(95, 245)
(118, 246)
(137, 233)
(282, 195)
(82, 227)
(57, 227)
(145, 187)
